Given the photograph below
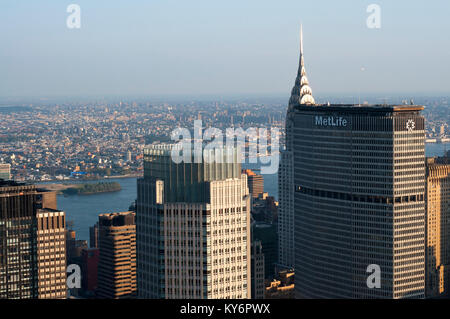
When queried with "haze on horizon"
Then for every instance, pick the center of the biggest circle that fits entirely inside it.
(235, 47)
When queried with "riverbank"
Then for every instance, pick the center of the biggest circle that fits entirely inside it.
(82, 188)
(74, 181)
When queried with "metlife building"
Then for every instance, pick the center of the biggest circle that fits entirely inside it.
(359, 206)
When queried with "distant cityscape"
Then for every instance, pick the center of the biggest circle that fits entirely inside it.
(96, 140)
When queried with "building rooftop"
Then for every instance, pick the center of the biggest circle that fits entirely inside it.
(9, 183)
(359, 108)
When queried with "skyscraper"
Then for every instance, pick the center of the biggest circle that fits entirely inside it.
(255, 183)
(359, 184)
(258, 278)
(93, 236)
(301, 93)
(32, 243)
(51, 254)
(89, 267)
(267, 235)
(117, 263)
(438, 227)
(18, 251)
(193, 228)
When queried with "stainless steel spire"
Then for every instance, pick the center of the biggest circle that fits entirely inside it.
(301, 93)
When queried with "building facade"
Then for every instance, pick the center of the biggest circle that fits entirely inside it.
(32, 243)
(51, 254)
(117, 262)
(438, 227)
(193, 228)
(285, 222)
(90, 258)
(267, 235)
(93, 236)
(258, 267)
(359, 179)
(359, 184)
(301, 93)
(255, 183)
(18, 250)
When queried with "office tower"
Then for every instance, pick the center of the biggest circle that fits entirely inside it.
(193, 227)
(70, 244)
(117, 263)
(438, 228)
(255, 183)
(257, 272)
(32, 249)
(267, 235)
(265, 209)
(18, 271)
(93, 236)
(51, 254)
(5, 171)
(89, 269)
(74, 247)
(301, 94)
(359, 184)
(359, 179)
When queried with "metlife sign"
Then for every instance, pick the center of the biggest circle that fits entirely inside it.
(336, 121)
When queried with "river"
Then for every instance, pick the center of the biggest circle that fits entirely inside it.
(83, 210)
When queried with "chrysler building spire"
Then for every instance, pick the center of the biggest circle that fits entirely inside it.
(301, 93)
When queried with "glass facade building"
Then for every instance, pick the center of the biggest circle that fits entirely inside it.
(18, 247)
(359, 183)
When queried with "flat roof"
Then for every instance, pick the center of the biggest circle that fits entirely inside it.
(11, 183)
(363, 108)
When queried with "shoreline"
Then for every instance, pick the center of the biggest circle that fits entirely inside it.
(78, 181)
(59, 188)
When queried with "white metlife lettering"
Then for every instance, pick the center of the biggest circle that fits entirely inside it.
(330, 121)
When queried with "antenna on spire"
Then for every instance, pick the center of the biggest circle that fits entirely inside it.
(301, 39)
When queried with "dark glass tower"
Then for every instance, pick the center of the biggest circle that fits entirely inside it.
(359, 180)
(18, 249)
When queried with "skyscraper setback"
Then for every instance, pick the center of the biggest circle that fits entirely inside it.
(193, 228)
(359, 184)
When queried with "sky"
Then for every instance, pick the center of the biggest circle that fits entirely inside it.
(167, 47)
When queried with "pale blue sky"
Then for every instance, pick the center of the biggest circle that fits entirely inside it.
(155, 47)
